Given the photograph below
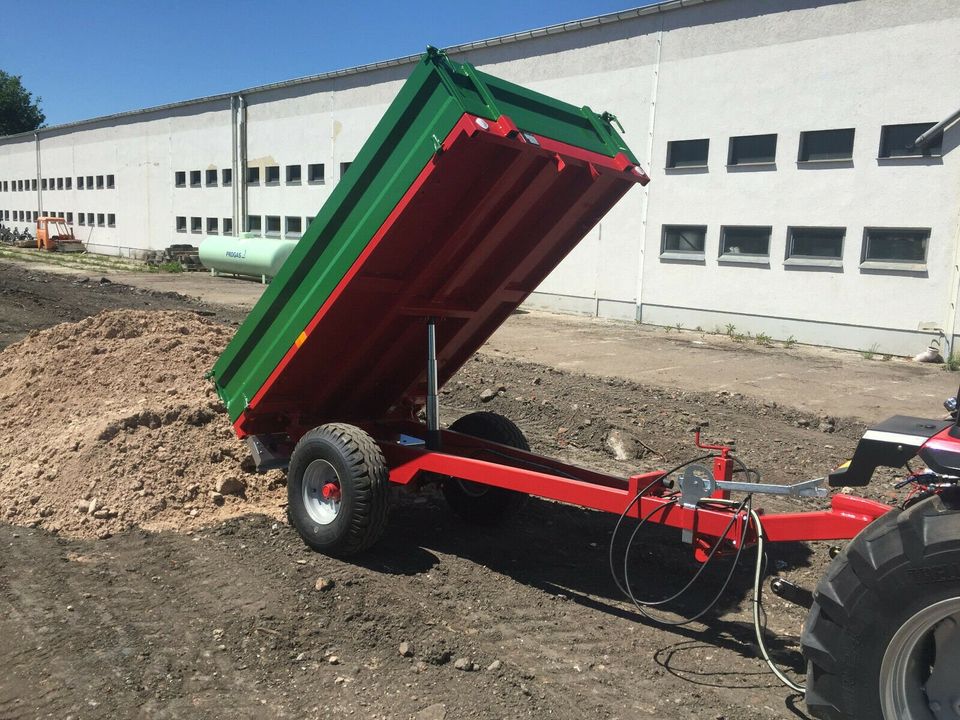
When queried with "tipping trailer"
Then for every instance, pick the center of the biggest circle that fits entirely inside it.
(467, 194)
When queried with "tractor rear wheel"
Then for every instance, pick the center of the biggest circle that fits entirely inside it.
(337, 489)
(474, 502)
(882, 639)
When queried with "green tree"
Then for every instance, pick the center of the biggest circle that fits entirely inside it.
(19, 111)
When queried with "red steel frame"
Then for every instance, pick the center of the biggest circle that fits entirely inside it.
(489, 463)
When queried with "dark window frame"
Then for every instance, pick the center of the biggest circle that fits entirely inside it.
(726, 255)
(791, 256)
(811, 137)
(207, 175)
(934, 148)
(293, 174)
(683, 146)
(179, 180)
(271, 175)
(677, 252)
(312, 178)
(273, 220)
(869, 235)
(287, 231)
(734, 153)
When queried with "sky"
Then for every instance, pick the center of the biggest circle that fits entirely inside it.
(93, 58)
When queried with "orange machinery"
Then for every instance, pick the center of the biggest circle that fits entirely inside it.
(55, 235)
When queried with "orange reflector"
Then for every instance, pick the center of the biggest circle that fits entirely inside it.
(301, 339)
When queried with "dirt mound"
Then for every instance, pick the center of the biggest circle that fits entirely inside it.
(110, 423)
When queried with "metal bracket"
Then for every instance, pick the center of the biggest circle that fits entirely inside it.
(697, 483)
(804, 488)
(270, 452)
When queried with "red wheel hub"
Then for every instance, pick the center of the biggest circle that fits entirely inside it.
(331, 491)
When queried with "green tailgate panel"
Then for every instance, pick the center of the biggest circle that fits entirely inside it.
(425, 111)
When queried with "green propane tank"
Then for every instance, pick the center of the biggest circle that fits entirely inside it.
(247, 254)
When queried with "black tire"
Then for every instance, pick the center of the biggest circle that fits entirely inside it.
(872, 594)
(477, 503)
(347, 457)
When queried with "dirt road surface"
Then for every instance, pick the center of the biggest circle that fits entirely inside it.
(213, 616)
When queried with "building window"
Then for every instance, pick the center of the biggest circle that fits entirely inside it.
(60, 183)
(101, 219)
(683, 241)
(308, 221)
(228, 226)
(253, 176)
(196, 224)
(211, 179)
(273, 224)
(226, 177)
(687, 153)
(194, 178)
(254, 223)
(33, 184)
(815, 243)
(315, 173)
(344, 166)
(825, 145)
(89, 182)
(111, 220)
(35, 215)
(293, 174)
(90, 219)
(745, 243)
(294, 226)
(82, 218)
(181, 223)
(213, 226)
(179, 179)
(897, 141)
(272, 174)
(99, 182)
(752, 150)
(68, 182)
(111, 182)
(43, 184)
(895, 245)
(70, 218)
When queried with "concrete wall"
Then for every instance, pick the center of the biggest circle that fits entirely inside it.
(715, 70)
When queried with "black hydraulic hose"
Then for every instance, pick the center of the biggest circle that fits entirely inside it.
(641, 605)
(636, 499)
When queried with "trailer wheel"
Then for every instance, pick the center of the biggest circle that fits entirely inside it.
(882, 639)
(337, 490)
(477, 503)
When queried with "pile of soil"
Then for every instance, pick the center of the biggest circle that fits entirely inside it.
(111, 424)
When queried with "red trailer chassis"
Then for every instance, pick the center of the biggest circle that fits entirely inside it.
(652, 495)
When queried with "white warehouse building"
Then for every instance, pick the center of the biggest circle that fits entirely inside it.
(787, 196)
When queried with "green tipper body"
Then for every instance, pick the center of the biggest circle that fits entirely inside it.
(425, 111)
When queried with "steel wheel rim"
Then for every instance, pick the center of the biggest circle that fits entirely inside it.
(321, 492)
(917, 662)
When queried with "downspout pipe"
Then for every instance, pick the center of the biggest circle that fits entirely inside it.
(36, 142)
(923, 140)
